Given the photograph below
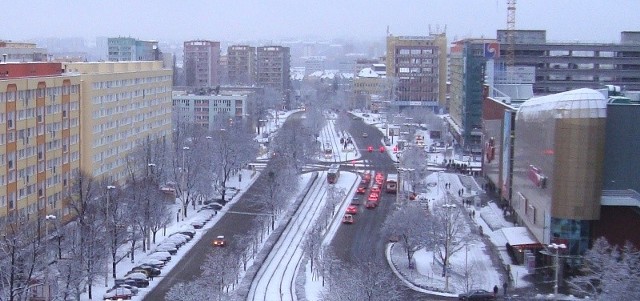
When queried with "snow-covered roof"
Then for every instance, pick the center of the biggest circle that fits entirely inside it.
(517, 236)
(367, 72)
(620, 198)
(580, 103)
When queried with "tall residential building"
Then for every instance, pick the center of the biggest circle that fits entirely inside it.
(201, 63)
(467, 62)
(21, 52)
(418, 67)
(39, 141)
(204, 109)
(273, 70)
(130, 49)
(124, 103)
(562, 66)
(241, 64)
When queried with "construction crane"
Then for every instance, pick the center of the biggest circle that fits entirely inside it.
(511, 26)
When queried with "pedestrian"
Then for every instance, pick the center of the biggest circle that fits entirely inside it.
(495, 290)
(504, 288)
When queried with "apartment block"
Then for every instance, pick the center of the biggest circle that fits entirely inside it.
(418, 65)
(204, 109)
(124, 103)
(39, 141)
(241, 65)
(130, 49)
(273, 70)
(201, 63)
(564, 66)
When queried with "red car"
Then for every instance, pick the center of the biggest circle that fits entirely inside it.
(371, 205)
(379, 181)
(375, 189)
(382, 149)
(361, 189)
(379, 175)
(370, 149)
(373, 197)
(352, 209)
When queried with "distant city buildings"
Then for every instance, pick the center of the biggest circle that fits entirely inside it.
(201, 63)
(273, 70)
(563, 66)
(21, 52)
(241, 65)
(129, 49)
(418, 67)
(204, 108)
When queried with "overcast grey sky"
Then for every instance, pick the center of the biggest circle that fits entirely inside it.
(237, 20)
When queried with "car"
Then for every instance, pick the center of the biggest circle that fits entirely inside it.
(361, 189)
(379, 175)
(134, 270)
(381, 148)
(412, 196)
(365, 181)
(379, 181)
(181, 236)
(347, 219)
(370, 148)
(134, 290)
(167, 248)
(149, 270)
(375, 189)
(213, 206)
(198, 224)
(371, 205)
(356, 201)
(478, 294)
(373, 197)
(161, 256)
(367, 176)
(118, 293)
(219, 241)
(352, 209)
(153, 262)
(365, 135)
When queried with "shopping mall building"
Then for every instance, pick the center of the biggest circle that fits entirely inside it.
(567, 166)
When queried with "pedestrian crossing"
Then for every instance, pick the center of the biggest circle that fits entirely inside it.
(357, 165)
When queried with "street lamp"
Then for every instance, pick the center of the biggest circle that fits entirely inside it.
(106, 276)
(47, 289)
(557, 247)
(466, 266)
(446, 242)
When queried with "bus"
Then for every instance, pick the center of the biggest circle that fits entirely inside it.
(333, 173)
(391, 186)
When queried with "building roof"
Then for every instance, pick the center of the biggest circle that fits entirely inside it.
(627, 197)
(367, 72)
(580, 103)
(518, 236)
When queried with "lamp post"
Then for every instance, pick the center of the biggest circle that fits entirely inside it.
(466, 266)
(108, 220)
(446, 242)
(557, 247)
(183, 172)
(47, 289)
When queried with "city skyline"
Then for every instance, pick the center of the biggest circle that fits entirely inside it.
(589, 21)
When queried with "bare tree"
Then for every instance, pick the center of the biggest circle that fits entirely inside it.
(415, 169)
(446, 232)
(117, 222)
(231, 148)
(312, 244)
(85, 235)
(367, 280)
(409, 224)
(610, 272)
(19, 259)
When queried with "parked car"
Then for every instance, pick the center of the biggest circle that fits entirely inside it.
(150, 270)
(219, 241)
(477, 295)
(117, 293)
(198, 223)
(167, 247)
(161, 256)
(134, 290)
(153, 262)
(140, 279)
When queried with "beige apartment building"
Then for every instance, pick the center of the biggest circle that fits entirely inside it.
(418, 65)
(39, 141)
(123, 104)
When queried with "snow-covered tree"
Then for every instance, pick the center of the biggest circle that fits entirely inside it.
(446, 232)
(610, 272)
(366, 280)
(20, 259)
(409, 224)
(414, 165)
